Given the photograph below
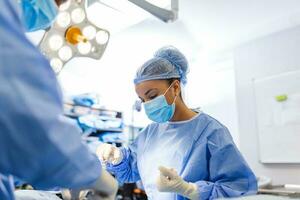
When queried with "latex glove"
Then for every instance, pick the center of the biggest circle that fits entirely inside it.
(108, 153)
(170, 181)
(105, 187)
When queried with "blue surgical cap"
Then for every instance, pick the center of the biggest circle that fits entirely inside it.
(168, 62)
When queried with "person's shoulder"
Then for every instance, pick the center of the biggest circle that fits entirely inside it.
(208, 126)
(216, 131)
(211, 122)
(204, 121)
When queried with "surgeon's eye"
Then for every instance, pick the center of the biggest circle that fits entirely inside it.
(152, 97)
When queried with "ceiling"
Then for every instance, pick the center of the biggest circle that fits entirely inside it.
(215, 24)
(221, 24)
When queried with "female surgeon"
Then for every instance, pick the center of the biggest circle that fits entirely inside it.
(184, 154)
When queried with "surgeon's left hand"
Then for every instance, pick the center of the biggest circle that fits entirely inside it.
(170, 181)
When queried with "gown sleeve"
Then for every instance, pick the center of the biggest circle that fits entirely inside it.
(127, 171)
(230, 176)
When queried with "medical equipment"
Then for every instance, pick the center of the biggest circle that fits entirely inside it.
(290, 190)
(73, 35)
(161, 13)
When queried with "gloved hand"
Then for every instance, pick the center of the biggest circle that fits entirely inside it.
(108, 153)
(105, 187)
(170, 181)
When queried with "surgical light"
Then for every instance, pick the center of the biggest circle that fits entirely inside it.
(154, 7)
(73, 35)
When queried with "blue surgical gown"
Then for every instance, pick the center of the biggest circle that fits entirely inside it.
(36, 144)
(200, 149)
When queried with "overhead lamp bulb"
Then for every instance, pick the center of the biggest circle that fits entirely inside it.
(84, 47)
(65, 53)
(63, 19)
(102, 37)
(55, 42)
(89, 32)
(78, 15)
(56, 64)
(65, 5)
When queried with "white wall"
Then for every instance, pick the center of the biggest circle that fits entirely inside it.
(274, 54)
(212, 87)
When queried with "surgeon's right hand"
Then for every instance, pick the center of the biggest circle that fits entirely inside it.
(106, 186)
(108, 153)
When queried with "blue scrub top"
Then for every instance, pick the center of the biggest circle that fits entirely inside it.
(200, 149)
(36, 144)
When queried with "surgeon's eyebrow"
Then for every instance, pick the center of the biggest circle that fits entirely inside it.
(146, 93)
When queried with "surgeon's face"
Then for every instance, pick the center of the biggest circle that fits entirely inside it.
(148, 90)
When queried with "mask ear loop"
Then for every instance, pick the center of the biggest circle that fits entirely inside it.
(168, 90)
(175, 99)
